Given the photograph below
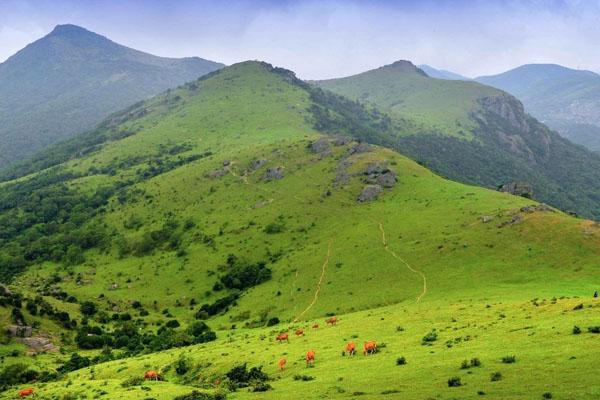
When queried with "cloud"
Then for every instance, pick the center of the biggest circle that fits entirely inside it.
(330, 38)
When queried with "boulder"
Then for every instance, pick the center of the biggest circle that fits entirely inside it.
(274, 173)
(21, 331)
(257, 163)
(359, 148)
(523, 189)
(217, 173)
(369, 193)
(320, 146)
(380, 175)
(486, 219)
(341, 140)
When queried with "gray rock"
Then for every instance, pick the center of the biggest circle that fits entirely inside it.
(380, 175)
(226, 163)
(369, 193)
(486, 219)
(359, 148)
(39, 344)
(274, 174)
(320, 146)
(523, 189)
(341, 140)
(257, 163)
(21, 331)
(217, 173)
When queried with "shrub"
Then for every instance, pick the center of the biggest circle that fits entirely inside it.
(495, 376)
(454, 382)
(76, 362)
(182, 366)
(201, 332)
(240, 377)
(509, 359)
(576, 330)
(242, 276)
(261, 387)
(196, 395)
(16, 374)
(430, 337)
(132, 381)
(173, 323)
(88, 308)
(578, 307)
(401, 361)
(547, 395)
(274, 228)
(594, 329)
(272, 321)
(305, 378)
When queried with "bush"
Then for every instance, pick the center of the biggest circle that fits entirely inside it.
(401, 361)
(272, 321)
(88, 308)
(430, 337)
(196, 395)
(243, 276)
(547, 395)
(474, 362)
(240, 377)
(16, 374)
(304, 378)
(495, 376)
(182, 366)
(76, 362)
(132, 381)
(220, 305)
(201, 332)
(261, 387)
(454, 382)
(578, 307)
(576, 330)
(594, 329)
(173, 323)
(509, 359)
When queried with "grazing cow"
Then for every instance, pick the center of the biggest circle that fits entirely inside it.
(350, 348)
(369, 348)
(26, 392)
(151, 375)
(283, 336)
(299, 332)
(282, 363)
(332, 321)
(310, 358)
(316, 326)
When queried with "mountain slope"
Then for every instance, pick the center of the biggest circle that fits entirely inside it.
(70, 80)
(442, 73)
(236, 200)
(477, 134)
(565, 99)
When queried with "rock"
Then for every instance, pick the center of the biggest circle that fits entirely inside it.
(380, 175)
(369, 193)
(226, 163)
(513, 221)
(39, 344)
(359, 148)
(522, 189)
(534, 208)
(217, 173)
(274, 174)
(256, 164)
(341, 140)
(21, 331)
(486, 219)
(321, 147)
(114, 286)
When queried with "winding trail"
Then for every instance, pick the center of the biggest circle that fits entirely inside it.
(396, 256)
(318, 288)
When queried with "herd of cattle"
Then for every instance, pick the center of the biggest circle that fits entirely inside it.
(369, 347)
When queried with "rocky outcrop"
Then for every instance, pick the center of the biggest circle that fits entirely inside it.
(380, 175)
(39, 344)
(274, 173)
(359, 148)
(257, 163)
(369, 193)
(523, 189)
(321, 147)
(217, 173)
(20, 331)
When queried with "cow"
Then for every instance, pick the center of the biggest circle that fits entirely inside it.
(27, 392)
(299, 332)
(350, 348)
(310, 358)
(151, 375)
(283, 336)
(332, 321)
(315, 326)
(282, 363)
(369, 348)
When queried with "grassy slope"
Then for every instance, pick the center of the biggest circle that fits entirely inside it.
(406, 92)
(246, 112)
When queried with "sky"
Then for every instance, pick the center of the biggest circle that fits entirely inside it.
(330, 38)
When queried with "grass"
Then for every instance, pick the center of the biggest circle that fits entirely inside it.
(440, 267)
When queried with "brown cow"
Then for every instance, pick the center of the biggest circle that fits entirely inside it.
(283, 336)
(26, 392)
(282, 363)
(316, 326)
(350, 348)
(151, 375)
(299, 332)
(332, 321)
(310, 358)
(369, 348)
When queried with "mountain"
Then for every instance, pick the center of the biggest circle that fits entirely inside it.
(187, 231)
(442, 73)
(565, 99)
(70, 80)
(476, 134)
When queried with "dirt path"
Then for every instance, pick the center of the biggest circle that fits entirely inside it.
(319, 283)
(396, 256)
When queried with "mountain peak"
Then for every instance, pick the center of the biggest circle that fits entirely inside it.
(404, 65)
(68, 30)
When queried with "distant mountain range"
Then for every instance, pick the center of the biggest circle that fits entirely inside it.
(71, 79)
(442, 73)
(475, 134)
(565, 99)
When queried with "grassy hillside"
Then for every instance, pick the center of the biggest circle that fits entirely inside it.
(224, 204)
(442, 73)
(476, 134)
(564, 99)
(70, 80)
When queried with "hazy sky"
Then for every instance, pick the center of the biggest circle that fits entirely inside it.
(329, 38)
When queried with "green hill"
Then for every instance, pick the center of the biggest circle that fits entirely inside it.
(240, 201)
(70, 80)
(442, 73)
(564, 99)
(477, 134)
